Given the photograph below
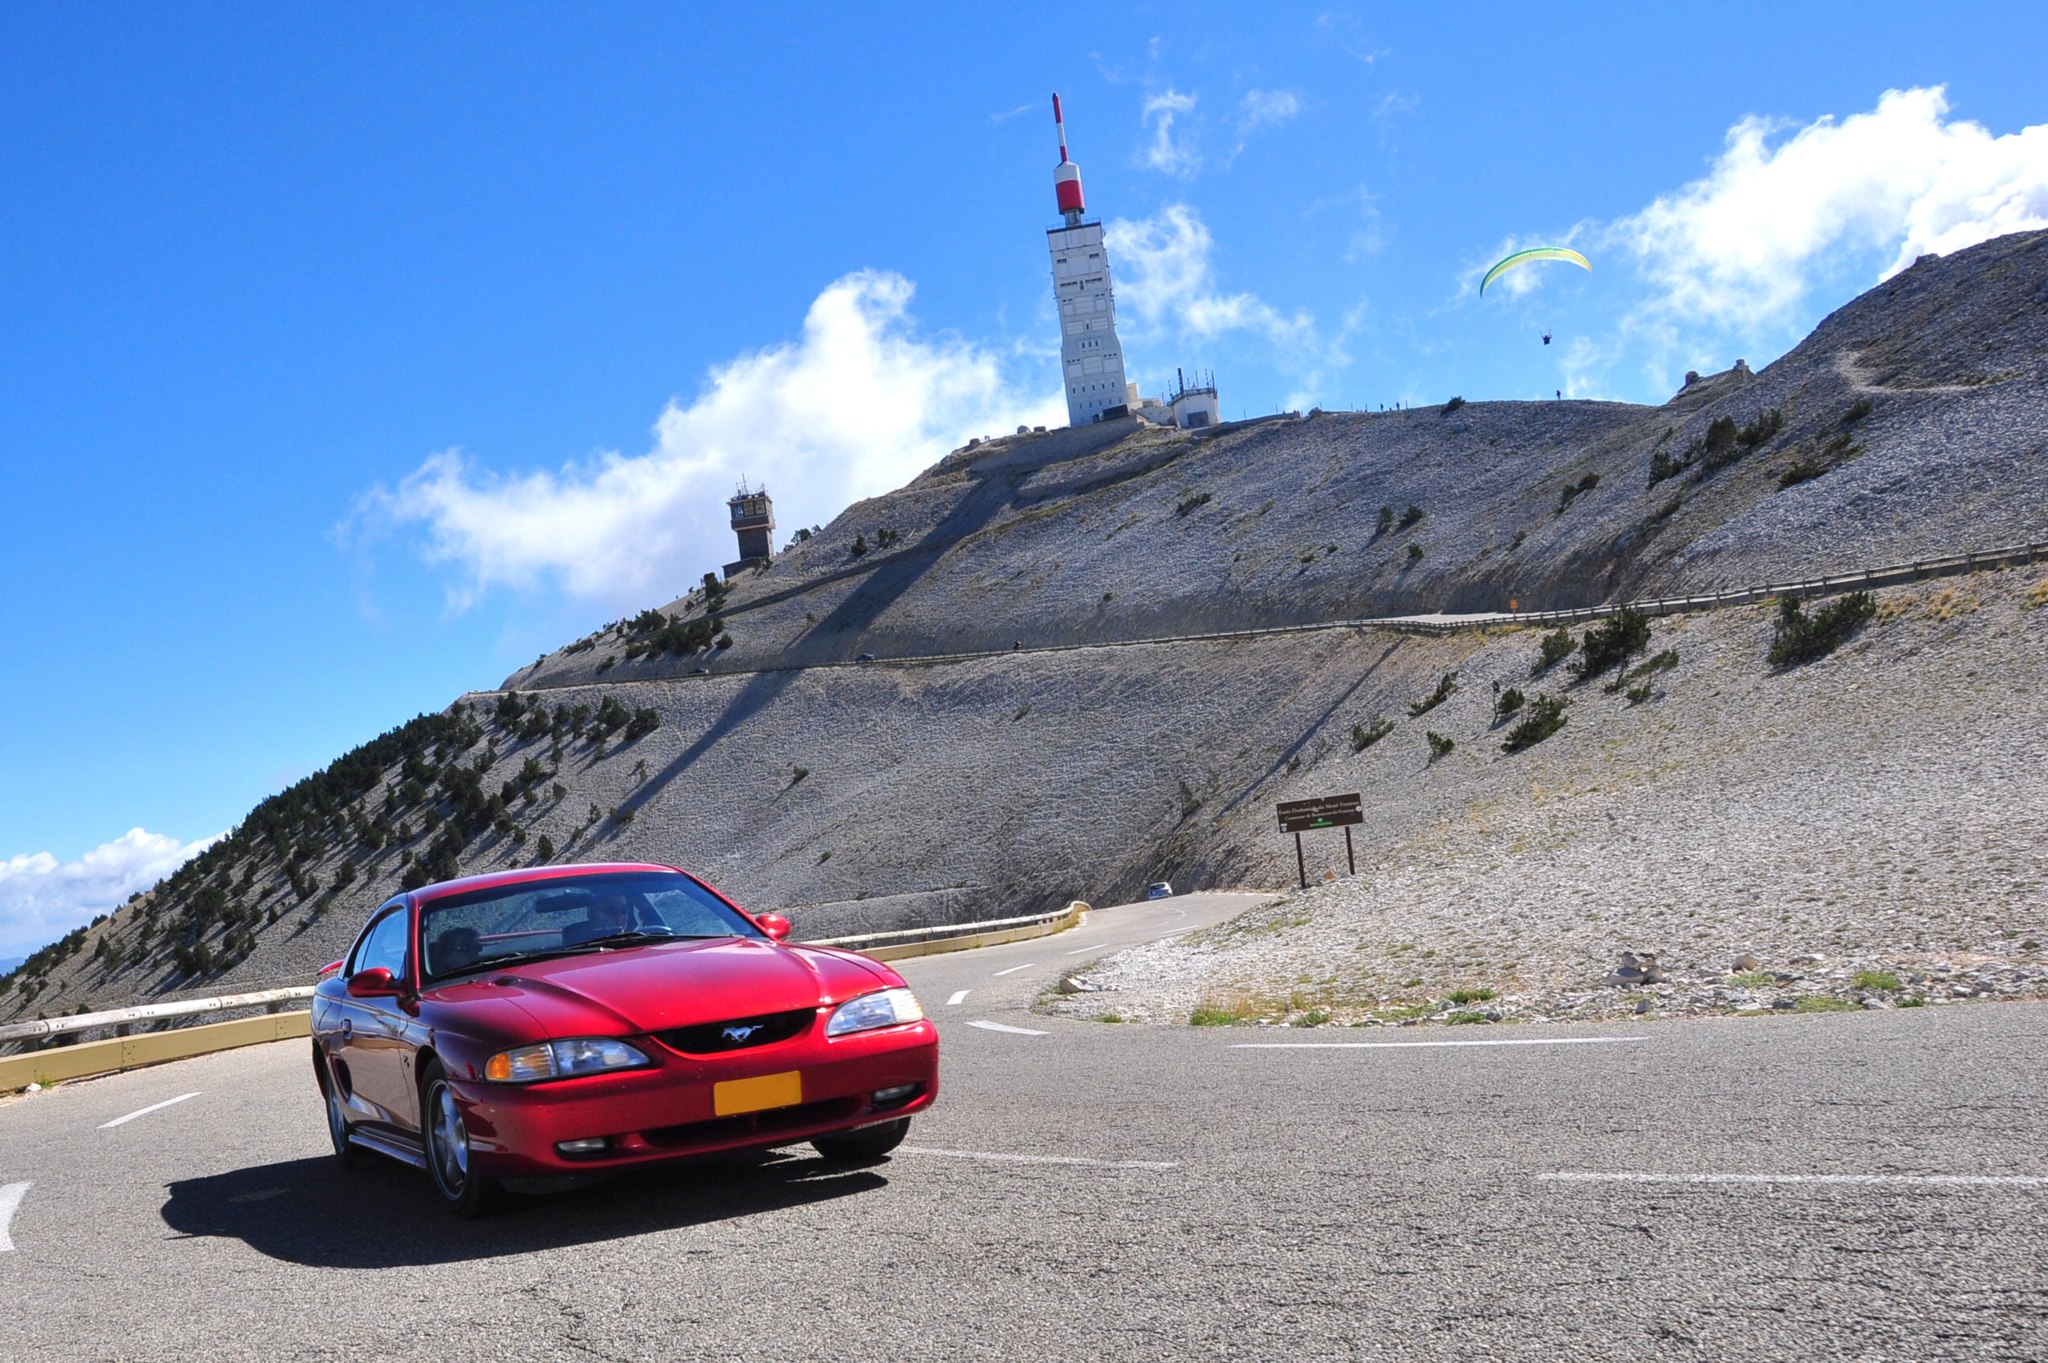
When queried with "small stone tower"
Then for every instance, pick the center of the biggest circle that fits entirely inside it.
(753, 520)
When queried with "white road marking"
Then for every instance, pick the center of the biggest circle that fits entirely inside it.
(958, 995)
(1421, 1045)
(145, 1111)
(10, 1198)
(1015, 968)
(997, 1158)
(1084, 950)
(1004, 1027)
(1866, 1180)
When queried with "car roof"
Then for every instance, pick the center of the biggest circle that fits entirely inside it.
(531, 875)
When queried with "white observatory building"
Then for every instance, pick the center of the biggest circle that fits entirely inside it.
(1091, 360)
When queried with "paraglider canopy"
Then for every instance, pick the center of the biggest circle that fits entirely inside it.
(1533, 253)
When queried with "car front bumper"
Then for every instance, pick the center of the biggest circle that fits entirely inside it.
(671, 1109)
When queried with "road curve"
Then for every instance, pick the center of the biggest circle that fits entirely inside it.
(1869, 1185)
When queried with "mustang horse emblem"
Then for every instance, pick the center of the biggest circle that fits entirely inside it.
(740, 1033)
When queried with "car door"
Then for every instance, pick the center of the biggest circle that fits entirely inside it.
(374, 1030)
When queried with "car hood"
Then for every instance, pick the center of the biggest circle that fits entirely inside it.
(673, 984)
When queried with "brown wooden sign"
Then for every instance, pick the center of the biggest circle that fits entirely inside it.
(1328, 811)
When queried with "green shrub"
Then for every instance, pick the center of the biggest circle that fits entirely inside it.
(1556, 647)
(1878, 979)
(1545, 717)
(1802, 638)
(1191, 503)
(1385, 522)
(1453, 405)
(1440, 745)
(1465, 1019)
(1506, 701)
(1858, 410)
(1363, 736)
(1662, 662)
(860, 545)
(1411, 516)
(1471, 995)
(1666, 511)
(1415, 553)
(1213, 1015)
(1446, 686)
(1817, 1003)
(1767, 424)
(1638, 694)
(1803, 471)
(1575, 491)
(1612, 642)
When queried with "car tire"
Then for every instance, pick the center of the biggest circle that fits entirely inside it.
(868, 1143)
(444, 1139)
(346, 1154)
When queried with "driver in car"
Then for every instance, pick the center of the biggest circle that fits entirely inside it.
(607, 914)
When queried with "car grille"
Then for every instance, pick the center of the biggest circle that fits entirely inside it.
(738, 1034)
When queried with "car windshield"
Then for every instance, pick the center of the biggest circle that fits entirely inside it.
(484, 928)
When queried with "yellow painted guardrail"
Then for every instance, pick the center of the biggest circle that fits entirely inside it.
(88, 1058)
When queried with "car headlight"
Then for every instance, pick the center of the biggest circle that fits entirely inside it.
(883, 1008)
(560, 1060)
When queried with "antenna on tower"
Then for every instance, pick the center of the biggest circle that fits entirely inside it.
(1066, 177)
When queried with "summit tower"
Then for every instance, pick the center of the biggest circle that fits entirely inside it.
(1091, 360)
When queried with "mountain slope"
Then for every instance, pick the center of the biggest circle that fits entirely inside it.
(1088, 762)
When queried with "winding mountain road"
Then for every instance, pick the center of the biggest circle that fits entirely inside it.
(1869, 1185)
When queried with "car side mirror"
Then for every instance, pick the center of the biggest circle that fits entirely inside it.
(774, 924)
(374, 983)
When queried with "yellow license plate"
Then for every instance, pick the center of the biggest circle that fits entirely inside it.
(758, 1094)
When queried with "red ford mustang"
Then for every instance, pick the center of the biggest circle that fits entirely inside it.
(570, 1019)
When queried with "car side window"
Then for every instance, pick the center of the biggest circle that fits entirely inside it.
(384, 946)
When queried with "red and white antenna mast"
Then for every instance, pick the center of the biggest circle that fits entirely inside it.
(1066, 177)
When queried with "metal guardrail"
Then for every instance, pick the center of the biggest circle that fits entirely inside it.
(1949, 566)
(124, 1019)
(941, 931)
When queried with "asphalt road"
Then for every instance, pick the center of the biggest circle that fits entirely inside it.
(1866, 1186)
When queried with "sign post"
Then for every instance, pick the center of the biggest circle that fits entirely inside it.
(1327, 811)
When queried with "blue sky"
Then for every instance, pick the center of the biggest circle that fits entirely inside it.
(349, 358)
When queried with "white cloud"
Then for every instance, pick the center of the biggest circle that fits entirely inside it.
(1174, 156)
(1775, 214)
(1166, 285)
(1165, 277)
(1266, 109)
(1345, 31)
(859, 404)
(1260, 110)
(42, 898)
